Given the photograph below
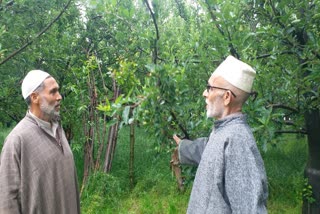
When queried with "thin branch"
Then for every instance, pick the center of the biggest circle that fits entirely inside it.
(186, 135)
(214, 18)
(135, 105)
(37, 36)
(277, 15)
(268, 55)
(282, 106)
(100, 71)
(155, 54)
(153, 19)
(231, 46)
(180, 9)
(291, 132)
(142, 50)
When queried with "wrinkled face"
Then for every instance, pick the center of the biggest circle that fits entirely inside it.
(50, 99)
(214, 99)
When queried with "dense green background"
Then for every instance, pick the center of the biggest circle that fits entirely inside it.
(159, 55)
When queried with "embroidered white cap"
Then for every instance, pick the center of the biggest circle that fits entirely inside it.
(31, 81)
(237, 73)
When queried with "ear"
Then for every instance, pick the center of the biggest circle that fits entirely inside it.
(227, 98)
(34, 97)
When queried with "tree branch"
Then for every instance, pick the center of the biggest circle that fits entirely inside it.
(282, 106)
(214, 18)
(268, 55)
(233, 51)
(37, 36)
(181, 10)
(186, 135)
(155, 55)
(291, 132)
(277, 15)
(101, 75)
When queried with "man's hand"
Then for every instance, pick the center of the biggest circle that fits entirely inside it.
(177, 139)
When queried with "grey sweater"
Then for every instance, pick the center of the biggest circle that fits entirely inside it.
(231, 176)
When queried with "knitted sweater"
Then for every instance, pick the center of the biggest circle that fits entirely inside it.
(231, 176)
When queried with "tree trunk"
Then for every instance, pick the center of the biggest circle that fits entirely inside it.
(101, 144)
(112, 137)
(132, 142)
(113, 131)
(111, 148)
(88, 159)
(89, 144)
(312, 171)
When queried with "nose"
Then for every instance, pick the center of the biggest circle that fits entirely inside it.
(59, 97)
(205, 93)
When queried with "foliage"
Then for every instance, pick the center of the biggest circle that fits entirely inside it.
(161, 58)
(307, 193)
(121, 35)
(22, 20)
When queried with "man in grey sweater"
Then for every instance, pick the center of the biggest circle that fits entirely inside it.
(231, 176)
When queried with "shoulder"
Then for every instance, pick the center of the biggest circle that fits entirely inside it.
(236, 138)
(238, 131)
(19, 132)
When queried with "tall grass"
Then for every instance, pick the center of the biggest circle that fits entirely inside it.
(285, 165)
(155, 189)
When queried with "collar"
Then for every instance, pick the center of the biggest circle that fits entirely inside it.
(50, 128)
(230, 119)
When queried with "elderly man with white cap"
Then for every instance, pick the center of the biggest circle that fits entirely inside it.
(231, 177)
(37, 171)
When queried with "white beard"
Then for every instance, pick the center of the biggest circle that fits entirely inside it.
(214, 109)
(49, 110)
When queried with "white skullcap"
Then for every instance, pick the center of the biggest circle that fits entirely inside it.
(31, 82)
(237, 73)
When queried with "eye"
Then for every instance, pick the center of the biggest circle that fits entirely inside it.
(53, 91)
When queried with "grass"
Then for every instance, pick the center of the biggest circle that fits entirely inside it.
(285, 164)
(155, 188)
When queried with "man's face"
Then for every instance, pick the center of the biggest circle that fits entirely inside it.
(214, 99)
(50, 99)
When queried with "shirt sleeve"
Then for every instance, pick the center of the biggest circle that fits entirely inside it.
(245, 182)
(10, 176)
(190, 152)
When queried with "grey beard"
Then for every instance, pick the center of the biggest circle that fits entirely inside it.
(53, 116)
(56, 117)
